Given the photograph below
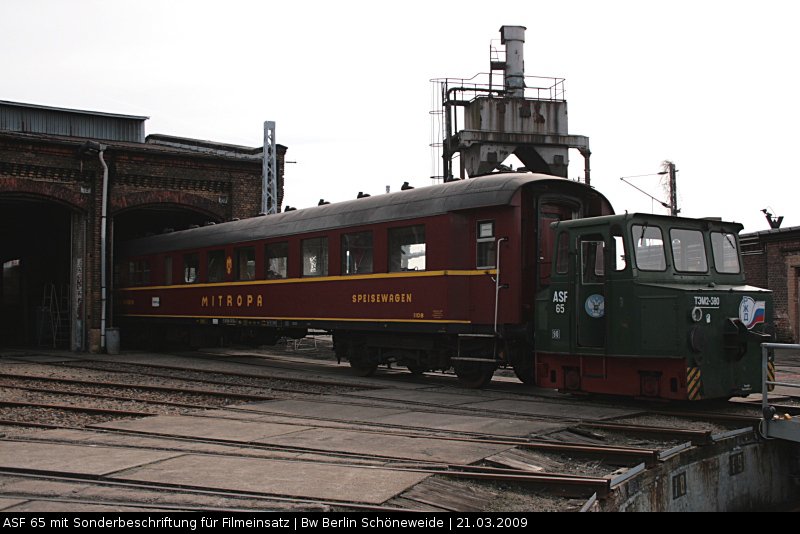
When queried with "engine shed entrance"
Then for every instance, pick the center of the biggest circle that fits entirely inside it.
(37, 237)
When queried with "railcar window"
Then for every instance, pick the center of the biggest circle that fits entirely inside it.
(216, 266)
(167, 270)
(139, 272)
(407, 249)
(562, 255)
(277, 255)
(315, 256)
(191, 266)
(688, 250)
(246, 263)
(726, 254)
(486, 246)
(649, 248)
(357, 253)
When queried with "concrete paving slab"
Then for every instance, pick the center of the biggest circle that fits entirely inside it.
(7, 503)
(203, 427)
(296, 479)
(418, 395)
(401, 447)
(325, 410)
(75, 458)
(75, 507)
(469, 423)
(148, 442)
(573, 411)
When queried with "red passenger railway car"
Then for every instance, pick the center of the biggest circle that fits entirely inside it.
(439, 277)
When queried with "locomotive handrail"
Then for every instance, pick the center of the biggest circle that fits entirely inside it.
(774, 427)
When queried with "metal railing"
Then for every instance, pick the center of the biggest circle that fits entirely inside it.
(788, 429)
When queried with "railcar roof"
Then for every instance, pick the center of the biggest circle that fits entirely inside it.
(419, 202)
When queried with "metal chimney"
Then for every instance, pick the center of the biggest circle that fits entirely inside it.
(513, 37)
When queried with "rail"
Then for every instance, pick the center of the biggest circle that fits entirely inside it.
(775, 425)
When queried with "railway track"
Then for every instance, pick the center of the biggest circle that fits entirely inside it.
(146, 384)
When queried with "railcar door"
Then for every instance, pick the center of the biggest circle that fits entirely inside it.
(589, 283)
(549, 213)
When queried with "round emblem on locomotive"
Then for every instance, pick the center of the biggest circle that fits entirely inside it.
(751, 312)
(595, 306)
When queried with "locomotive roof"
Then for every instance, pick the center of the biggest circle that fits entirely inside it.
(651, 218)
(427, 201)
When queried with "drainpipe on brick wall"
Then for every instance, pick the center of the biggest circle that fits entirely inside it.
(92, 146)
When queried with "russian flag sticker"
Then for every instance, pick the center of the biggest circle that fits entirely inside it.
(752, 312)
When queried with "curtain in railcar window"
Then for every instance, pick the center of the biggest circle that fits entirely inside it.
(191, 266)
(357, 253)
(167, 270)
(246, 263)
(276, 260)
(315, 256)
(407, 249)
(216, 266)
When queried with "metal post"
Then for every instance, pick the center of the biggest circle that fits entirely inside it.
(269, 184)
(673, 191)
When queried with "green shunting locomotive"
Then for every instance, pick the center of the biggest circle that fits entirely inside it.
(651, 306)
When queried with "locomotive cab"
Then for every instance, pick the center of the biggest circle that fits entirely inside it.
(650, 306)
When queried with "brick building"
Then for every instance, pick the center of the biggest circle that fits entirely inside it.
(772, 260)
(52, 165)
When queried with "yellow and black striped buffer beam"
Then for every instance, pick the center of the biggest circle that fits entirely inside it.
(770, 375)
(694, 383)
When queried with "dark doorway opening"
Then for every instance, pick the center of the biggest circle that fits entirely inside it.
(35, 252)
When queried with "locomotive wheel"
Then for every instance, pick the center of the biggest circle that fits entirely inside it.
(363, 368)
(474, 377)
(525, 374)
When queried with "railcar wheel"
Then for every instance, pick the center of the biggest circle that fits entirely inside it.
(416, 369)
(363, 368)
(474, 377)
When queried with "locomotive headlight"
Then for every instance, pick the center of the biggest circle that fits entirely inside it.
(697, 314)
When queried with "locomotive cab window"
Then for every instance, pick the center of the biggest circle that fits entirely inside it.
(688, 250)
(562, 254)
(592, 260)
(246, 263)
(216, 266)
(726, 254)
(648, 247)
(277, 259)
(357, 253)
(486, 246)
(619, 261)
(191, 266)
(315, 256)
(407, 249)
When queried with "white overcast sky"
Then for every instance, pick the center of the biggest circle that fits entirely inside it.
(710, 85)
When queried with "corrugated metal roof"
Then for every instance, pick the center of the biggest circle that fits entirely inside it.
(32, 118)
